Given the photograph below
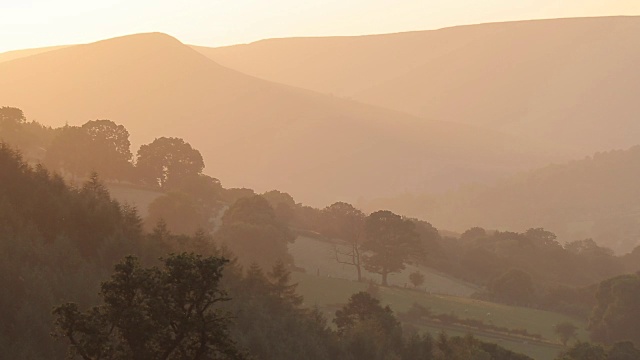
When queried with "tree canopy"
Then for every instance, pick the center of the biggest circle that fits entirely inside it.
(167, 162)
(251, 229)
(344, 222)
(170, 312)
(390, 242)
(98, 145)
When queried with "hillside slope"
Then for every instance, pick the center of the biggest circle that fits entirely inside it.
(17, 54)
(253, 132)
(569, 82)
(596, 197)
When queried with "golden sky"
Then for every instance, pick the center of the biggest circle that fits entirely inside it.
(37, 23)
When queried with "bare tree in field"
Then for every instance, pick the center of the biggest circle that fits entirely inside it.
(344, 222)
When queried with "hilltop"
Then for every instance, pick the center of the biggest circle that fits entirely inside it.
(252, 132)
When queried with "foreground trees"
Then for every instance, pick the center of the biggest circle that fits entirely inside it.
(589, 351)
(153, 313)
(369, 330)
(391, 241)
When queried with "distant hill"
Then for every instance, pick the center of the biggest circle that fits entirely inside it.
(565, 82)
(17, 54)
(252, 132)
(597, 197)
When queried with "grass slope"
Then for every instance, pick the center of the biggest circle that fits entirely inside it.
(328, 284)
(329, 293)
(317, 256)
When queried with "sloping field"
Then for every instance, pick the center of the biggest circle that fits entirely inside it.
(328, 293)
(317, 256)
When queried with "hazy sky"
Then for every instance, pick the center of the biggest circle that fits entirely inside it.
(36, 23)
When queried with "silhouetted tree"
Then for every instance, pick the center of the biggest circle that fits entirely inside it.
(110, 148)
(416, 278)
(153, 313)
(369, 330)
(99, 145)
(11, 120)
(390, 242)
(166, 162)
(251, 230)
(344, 222)
(282, 203)
(473, 233)
(71, 151)
(513, 287)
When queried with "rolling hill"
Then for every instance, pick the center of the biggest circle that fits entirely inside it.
(253, 132)
(564, 82)
(596, 197)
(17, 54)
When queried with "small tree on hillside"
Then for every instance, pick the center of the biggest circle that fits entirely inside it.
(416, 278)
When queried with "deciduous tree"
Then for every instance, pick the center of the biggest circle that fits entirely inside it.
(168, 161)
(170, 312)
(390, 242)
(344, 222)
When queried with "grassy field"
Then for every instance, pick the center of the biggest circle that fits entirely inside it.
(328, 285)
(329, 292)
(317, 256)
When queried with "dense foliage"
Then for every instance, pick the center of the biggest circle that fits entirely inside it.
(171, 312)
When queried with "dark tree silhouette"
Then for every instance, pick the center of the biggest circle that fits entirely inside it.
(110, 148)
(390, 242)
(166, 162)
(252, 231)
(513, 287)
(99, 145)
(153, 313)
(10, 119)
(344, 222)
(70, 151)
(416, 278)
(369, 330)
